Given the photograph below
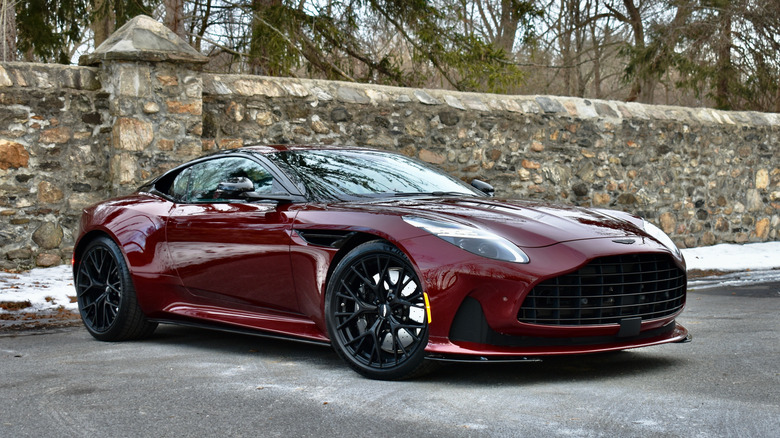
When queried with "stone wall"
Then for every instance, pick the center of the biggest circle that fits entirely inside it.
(70, 136)
(54, 134)
(704, 176)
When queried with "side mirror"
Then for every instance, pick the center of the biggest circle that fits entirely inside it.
(243, 188)
(483, 187)
(234, 187)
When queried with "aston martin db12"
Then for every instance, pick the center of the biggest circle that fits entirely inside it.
(392, 262)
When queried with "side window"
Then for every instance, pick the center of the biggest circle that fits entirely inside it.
(262, 180)
(179, 188)
(207, 175)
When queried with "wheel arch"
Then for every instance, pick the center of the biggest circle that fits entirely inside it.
(355, 241)
(128, 320)
(88, 238)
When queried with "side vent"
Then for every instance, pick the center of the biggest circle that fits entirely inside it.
(327, 238)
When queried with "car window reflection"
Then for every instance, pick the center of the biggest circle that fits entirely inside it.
(348, 174)
(206, 176)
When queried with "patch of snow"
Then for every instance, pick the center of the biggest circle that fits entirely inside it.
(44, 288)
(729, 257)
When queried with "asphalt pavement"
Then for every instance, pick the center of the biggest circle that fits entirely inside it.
(191, 382)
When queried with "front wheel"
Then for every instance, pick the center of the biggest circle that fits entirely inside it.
(106, 296)
(376, 315)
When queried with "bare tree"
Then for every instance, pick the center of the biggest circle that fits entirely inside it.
(719, 52)
(499, 22)
(199, 22)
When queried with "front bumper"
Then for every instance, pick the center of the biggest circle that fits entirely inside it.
(475, 304)
(480, 340)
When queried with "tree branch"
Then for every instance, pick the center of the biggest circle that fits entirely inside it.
(408, 38)
(316, 60)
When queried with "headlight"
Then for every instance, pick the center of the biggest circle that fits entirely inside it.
(660, 236)
(474, 240)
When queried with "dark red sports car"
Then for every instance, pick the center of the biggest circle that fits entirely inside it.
(387, 259)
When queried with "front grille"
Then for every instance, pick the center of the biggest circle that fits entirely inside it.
(607, 290)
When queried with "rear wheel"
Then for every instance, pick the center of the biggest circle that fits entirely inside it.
(376, 314)
(106, 296)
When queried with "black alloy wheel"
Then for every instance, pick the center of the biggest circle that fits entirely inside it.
(106, 296)
(376, 313)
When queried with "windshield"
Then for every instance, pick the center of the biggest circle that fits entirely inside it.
(350, 174)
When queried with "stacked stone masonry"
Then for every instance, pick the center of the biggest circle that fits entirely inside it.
(704, 176)
(70, 136)
(54, 130)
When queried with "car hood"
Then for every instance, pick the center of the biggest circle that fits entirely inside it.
(526, 223)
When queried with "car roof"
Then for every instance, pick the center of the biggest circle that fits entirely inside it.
(268, 149)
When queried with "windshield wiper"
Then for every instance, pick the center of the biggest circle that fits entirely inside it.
(434, 193)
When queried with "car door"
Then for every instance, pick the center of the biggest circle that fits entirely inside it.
(229, 251)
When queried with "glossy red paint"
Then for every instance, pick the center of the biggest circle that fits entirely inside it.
(247, 264)
(217, 250)
(244, 264)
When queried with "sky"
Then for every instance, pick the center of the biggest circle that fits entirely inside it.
(49, 288)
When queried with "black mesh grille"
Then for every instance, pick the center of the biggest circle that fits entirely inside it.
(607, 290)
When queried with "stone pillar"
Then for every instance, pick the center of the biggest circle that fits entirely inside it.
(155, 100)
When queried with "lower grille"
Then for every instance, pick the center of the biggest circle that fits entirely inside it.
(607, 290)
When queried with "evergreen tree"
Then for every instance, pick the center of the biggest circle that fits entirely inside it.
(46, 27)
(400, 42)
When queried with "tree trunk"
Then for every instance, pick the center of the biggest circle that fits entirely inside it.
(580, 81)
(565, 37)
(103, 21)
(510, 20)
(174, 17)
(598, 52)
(647, 94)
(777, 99)
(635, 21)
(724, 68)
(8, 26)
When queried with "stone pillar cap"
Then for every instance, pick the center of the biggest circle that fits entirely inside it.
(143, 39)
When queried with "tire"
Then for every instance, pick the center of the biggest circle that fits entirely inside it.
(106, 296)
(375, 311)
